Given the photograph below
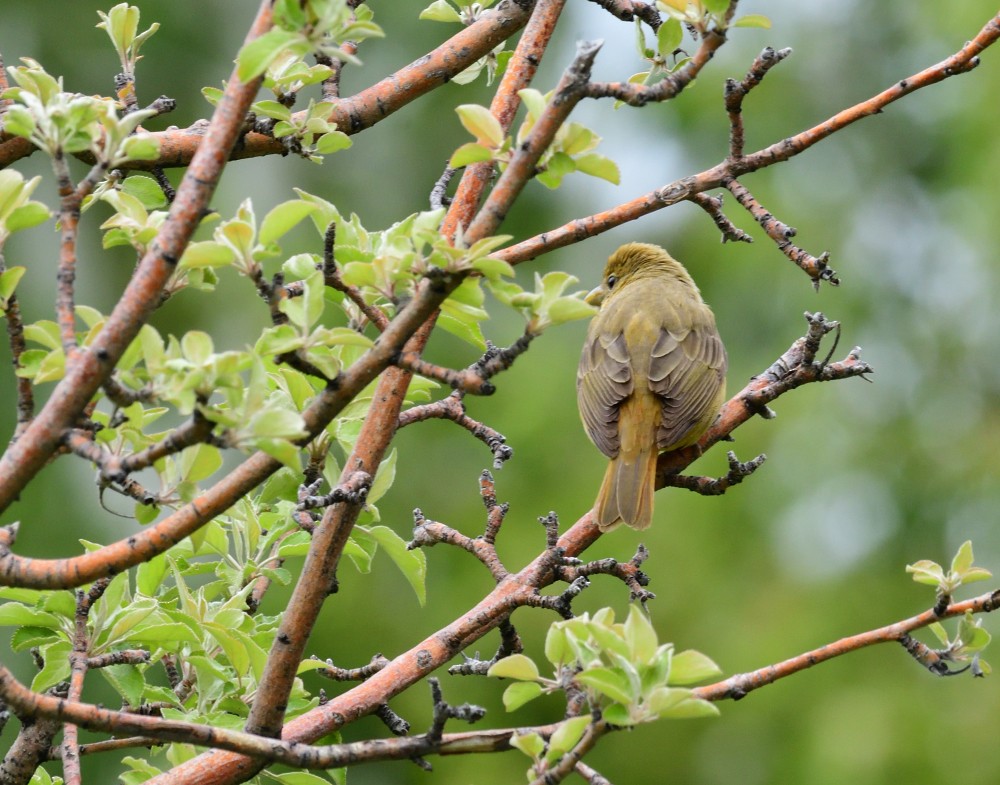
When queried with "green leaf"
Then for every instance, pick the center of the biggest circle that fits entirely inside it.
(492, 268)
(597, 165)
(384, 478)
(127, 681)
(333, 142)
(27, 216)
(146, 190)
(145, 513)
(140, 148)
(277, 423)
(440, 11)
(480, 122)
(272, 109)
(531, 744)
(669, 36)
(974, 574)
(516, 666)
(567, 736)
(926, 572)
(255, 57)
(56, 669)
(470, 153)
(753, 20)
(206, 254)
(557, 648)
(689, 708)
(14, 614)
(690, 667)
(519, 693)
(716, 6)
(149, 575)
(279, 221)
(569, 309)
(9, 279)
(608, 682)
(963, 558)
(413, 564)
(640, 635)
(618, 715)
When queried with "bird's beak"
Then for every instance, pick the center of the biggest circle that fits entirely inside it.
(595, 296)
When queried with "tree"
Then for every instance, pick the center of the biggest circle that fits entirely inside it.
(283, 447)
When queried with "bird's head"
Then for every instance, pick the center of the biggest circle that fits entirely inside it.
(635, 261)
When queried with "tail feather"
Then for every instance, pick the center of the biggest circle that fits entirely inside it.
(626, 494)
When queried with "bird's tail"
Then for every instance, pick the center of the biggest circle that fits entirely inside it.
(626, 495)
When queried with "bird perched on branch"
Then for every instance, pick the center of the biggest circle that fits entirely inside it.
(652, 375)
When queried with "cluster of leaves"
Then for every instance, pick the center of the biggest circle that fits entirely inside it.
(188, 607)
(627, 676)
(303, 28)
(18, 211)
(121, 24)
(622, 668)
(570, 151)
(62, 123)
(971, 638)
(699, 16)
(466, 13)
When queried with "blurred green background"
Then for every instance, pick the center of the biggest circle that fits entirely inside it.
(861, 479)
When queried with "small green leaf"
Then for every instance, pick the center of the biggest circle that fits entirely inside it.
(384, 478)
(519, 693)
(140, 148)
(279, 221)
(14, 614)
(753, 20)
(608, 682)
(567, 736)
(597, 165)
(963, 558)
(333, 142)
(690, 667)
(531, 744)
(516, 666)
(669, 36)
(27, 216)
(255, 57)
(492, 268)
(716, 6)
(127, 681)
(149, 575)
(440, 11)
(9, 279)
(206, 254)
(926, 572)
(480, 122)
(146, 190)
(569, 309)
(640, 635)
(470, 153)
(272, 109)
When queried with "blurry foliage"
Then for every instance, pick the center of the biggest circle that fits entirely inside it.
(861, 480)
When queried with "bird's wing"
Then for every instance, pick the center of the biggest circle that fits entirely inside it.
(686, 370)
(603, 381)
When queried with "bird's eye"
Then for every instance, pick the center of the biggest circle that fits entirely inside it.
(612, 280)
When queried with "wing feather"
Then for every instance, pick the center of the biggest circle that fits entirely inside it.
(603, 381)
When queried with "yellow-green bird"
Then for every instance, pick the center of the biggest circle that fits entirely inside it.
(652, 375)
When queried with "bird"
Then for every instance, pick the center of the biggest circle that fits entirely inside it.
(652, 375)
